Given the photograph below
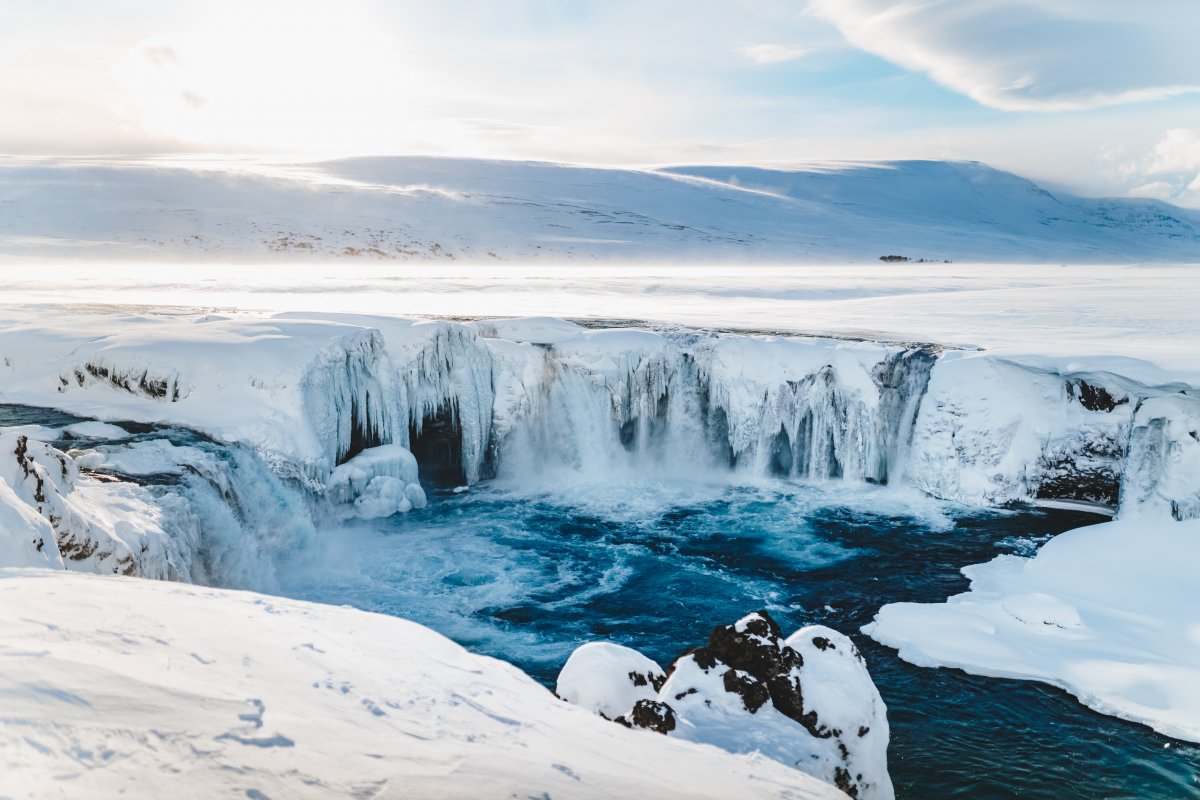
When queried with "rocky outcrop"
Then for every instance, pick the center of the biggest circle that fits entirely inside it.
(94, 525)
(806, 701)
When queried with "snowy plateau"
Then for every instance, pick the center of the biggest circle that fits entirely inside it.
(178, 431)
(446, 209)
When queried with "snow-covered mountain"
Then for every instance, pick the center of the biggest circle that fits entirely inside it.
(420, 208)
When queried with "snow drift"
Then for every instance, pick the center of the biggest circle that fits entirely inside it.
(263, 697)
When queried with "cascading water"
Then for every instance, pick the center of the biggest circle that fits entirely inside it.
(647, 413)
(677, 405)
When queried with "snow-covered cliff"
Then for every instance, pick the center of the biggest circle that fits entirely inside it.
(537, 399)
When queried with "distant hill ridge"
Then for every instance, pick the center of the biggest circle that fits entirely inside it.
(428, 208)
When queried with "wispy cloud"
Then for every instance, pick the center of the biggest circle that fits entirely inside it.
(773, 53)
(1033, 55)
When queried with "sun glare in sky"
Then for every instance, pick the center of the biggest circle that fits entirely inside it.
(1097, 95)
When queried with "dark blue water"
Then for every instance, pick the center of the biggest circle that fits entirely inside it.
(528, 577)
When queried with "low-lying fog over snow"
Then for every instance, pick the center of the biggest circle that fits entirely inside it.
(1073, 312)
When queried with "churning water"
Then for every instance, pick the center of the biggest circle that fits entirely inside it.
(528, 576)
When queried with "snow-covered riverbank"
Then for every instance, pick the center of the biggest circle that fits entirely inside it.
(1111, 613)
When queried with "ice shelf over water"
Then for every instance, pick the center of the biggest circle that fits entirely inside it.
(1110, 612)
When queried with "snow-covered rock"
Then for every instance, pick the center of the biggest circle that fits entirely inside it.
(807, 701)
(143, 689)
(227, 515)
(95, 430)
(69, 519)
(1162, 460)
(26, 538)
(608, 679)
(349, 480)
(1109, 613)
(380, 481)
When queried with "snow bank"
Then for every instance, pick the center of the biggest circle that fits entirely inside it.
(1111, 613)
(806, 701)
(154, 689)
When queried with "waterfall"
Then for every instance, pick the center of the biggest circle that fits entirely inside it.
(685, 402)
(350, 396)
(903, 378)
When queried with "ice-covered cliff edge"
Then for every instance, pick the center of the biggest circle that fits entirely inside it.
(264, 697)
(539, 399)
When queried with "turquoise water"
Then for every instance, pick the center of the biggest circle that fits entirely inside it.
(527, 577)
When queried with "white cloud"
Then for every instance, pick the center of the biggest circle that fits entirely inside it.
(773, 53)
(1169, 169)
(1177, 151)
(1033, 55)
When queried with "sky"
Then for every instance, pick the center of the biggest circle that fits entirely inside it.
(1097, 96)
